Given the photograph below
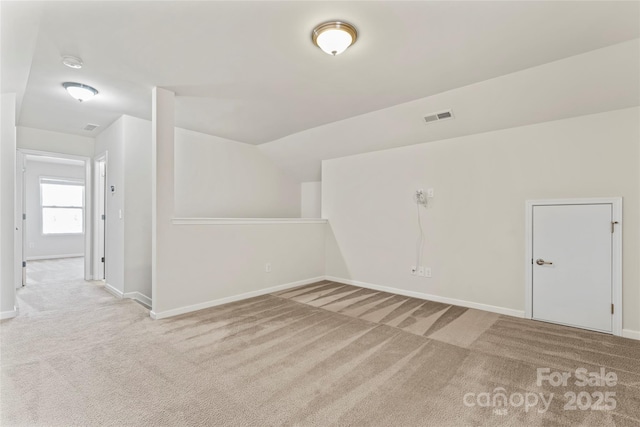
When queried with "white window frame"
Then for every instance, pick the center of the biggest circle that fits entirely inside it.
(61, 181)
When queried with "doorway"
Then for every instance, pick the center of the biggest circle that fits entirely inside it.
(53, 194)
(574, 263)
(100, 241)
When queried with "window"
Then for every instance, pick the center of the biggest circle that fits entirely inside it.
(62, 206)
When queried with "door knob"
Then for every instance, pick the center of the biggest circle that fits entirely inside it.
(540, 261)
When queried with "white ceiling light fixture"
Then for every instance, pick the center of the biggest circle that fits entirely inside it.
(79, 91)
(334, 37)
(72, 62)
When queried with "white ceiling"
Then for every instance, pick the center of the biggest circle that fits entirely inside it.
(598, 81)
(247, 71)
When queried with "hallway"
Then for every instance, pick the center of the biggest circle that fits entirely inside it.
(58, 285)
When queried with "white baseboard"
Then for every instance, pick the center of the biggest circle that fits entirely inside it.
(129, 295)
(113, 291)
(436, 298)
(139, 297)
(41, 257)
(226, 300)
(627, 333)
(9, 314)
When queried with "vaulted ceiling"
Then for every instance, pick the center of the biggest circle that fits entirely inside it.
(248, 71)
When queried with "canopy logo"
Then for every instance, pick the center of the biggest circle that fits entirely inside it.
(500, 401)
(596, 398)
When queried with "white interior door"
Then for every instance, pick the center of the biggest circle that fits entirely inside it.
(572, 265)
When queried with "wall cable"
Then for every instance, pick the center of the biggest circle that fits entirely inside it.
(421, 200)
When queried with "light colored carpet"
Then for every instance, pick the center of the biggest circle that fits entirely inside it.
(57, 285)
(324, 354)
(444, 322)
(59, 270)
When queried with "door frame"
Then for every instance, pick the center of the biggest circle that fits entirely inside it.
(88, 205)
(616, 248)
(20, 271)
(97, 262)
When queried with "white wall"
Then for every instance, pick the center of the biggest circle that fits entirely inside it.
(219, 178)
(38, 245)
(198, 265)
(475, 225)
(137, 201)
(311, 199)
(7, 185)
(55, 142)
(128, 219)
(111, 140)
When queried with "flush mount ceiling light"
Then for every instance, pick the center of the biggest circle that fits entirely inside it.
(79, 91)
(72, 62)
(334, 37)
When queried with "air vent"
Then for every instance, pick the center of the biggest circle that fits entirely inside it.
(91, 127)
(439, 116)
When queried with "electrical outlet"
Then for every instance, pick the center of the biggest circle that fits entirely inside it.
(414, 270)
(421, 271)
(427, 272)
(267, 267)
(429, 192)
